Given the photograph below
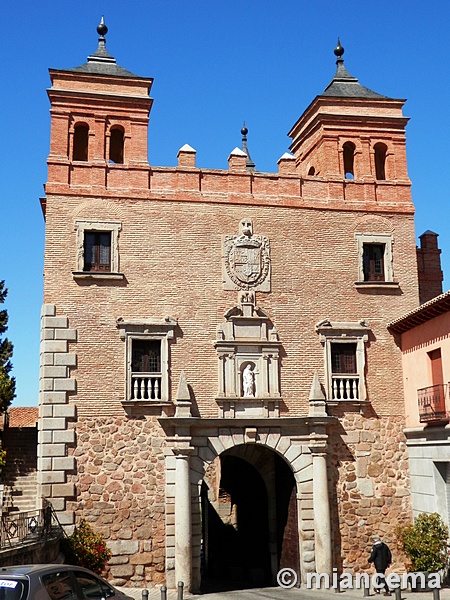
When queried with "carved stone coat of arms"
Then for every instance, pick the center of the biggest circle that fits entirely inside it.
(246, 260)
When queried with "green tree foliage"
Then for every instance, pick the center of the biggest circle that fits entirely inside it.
(424, 542)
(7, 383)
(85, 548)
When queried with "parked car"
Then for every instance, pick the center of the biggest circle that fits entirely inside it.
(55, 582)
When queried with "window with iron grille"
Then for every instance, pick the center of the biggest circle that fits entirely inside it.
(343, 358)
(97, 251)
(373, 262)
(146, 356)
(375, 265)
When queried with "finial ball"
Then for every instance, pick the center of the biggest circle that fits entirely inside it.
(244, 130)
(102, 29)
(339, 50)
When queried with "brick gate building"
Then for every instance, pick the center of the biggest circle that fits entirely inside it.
(219, 393)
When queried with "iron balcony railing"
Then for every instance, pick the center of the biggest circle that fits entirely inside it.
(432, 403)
(28, 527)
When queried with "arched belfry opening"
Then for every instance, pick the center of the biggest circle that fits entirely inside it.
(116, 145)
(80, 150)
(380, 152)
(349, 160)
(249, 519)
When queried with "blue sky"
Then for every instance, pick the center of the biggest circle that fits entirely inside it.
(216, 64)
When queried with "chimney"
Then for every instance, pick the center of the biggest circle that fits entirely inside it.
(429, 267)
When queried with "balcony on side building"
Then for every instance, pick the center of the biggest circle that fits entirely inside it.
(433, 403)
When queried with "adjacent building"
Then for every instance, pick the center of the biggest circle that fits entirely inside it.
(423, 335)
(220, 395)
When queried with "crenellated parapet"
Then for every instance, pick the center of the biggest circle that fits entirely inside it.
(235, 185)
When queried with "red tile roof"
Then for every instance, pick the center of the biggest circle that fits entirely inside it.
(23, 416)
(433, 308)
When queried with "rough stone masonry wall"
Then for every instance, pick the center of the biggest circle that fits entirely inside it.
(120, 491)
(370, 482)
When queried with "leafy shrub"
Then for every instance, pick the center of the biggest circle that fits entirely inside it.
(85, 548)
(424, 542)
(2, 457)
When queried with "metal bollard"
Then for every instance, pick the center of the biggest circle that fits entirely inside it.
(337, 588)
(163, 592)
(144, 594)
(366, 590)
(398, 593)
(436, 593)
(180, 590)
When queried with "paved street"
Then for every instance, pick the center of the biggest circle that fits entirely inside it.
(276, 592)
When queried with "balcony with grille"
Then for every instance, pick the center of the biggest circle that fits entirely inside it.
(433, 404)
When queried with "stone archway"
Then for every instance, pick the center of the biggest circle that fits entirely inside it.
(249, 519)
(193, 445)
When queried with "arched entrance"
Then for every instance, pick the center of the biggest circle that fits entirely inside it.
(249, 519)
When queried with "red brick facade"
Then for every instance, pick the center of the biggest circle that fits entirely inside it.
(108, 459)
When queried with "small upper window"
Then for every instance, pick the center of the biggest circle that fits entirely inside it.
(311, 171)
(80, 142)
(116, 144)
(349, 160)
(380, 161)
(373, 262)
(97, 251)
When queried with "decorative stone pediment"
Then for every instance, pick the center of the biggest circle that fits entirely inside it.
(246, 260)
(349, 386)
(248, 361)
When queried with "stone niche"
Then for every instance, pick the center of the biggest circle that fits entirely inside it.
(248, 356)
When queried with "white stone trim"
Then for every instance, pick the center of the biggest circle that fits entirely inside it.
(55, 412)
(344, 333)
(148, 329)
(208, 443)
(387, 240)
(114, 227)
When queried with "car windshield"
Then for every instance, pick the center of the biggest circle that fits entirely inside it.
(13, 589)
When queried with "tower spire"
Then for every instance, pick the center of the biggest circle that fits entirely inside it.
(101, 54)
(343, 84)
(249, 163)
(339, 51)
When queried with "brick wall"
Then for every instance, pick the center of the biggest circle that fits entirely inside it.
(172, 224)
(170, 254)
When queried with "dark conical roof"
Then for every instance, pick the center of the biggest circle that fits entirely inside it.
(101, 62)
(344, 85)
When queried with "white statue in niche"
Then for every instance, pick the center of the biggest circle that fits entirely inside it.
(248, 381)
